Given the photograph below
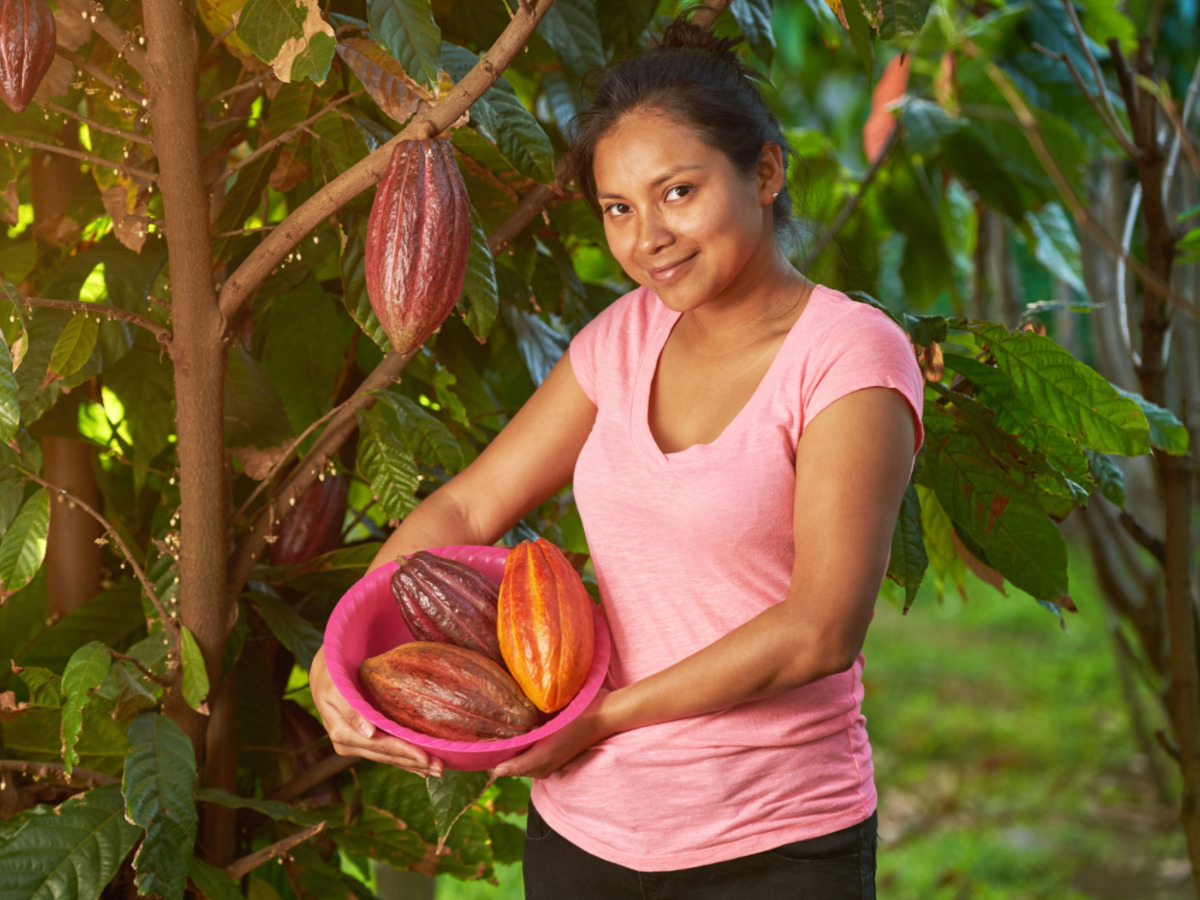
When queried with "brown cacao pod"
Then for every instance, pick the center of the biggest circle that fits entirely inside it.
(314, 525)
(418, 238)
(547, 633)
(447, 692)
(446, 601)
(27, 40)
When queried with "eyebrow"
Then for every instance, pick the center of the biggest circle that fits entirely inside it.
(666, 176)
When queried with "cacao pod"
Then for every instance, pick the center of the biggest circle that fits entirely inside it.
(418, 238)
(446, 601)
(545, 624)
(447, 692)
(27, 40)
(314, 525)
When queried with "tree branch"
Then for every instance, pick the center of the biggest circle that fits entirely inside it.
(57, 770)
(1122, 136)
(100, 75)
(246, 864)
(366, 172)
(1103, 110)
(93, 125)
(312, 776)
(121, 40)
(103, 309)
(143, 174)
(137, 663)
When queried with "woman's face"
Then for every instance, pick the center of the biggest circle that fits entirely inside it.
(679, 217)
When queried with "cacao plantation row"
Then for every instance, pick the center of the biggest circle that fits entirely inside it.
(274, 271)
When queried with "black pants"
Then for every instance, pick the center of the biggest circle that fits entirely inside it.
(838, 866)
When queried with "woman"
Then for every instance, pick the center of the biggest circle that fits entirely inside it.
(739, 538)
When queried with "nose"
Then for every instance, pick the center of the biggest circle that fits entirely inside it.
(653, 233)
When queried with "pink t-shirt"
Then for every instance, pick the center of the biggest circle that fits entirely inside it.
(689, 545)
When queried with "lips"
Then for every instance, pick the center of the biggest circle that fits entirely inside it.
(670, 271)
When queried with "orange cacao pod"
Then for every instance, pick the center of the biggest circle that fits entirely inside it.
(314, 525)
(447, 692)
(418, 237)
(27, 40)
(547, 633)
(447, 601)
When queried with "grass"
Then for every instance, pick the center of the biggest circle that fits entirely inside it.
(1006, 764)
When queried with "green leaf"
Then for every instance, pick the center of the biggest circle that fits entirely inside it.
(1059, 388)
(303, 352)
(571, 28)
(1166, 432)
(126, 692)
(254, 413)
(860, 34)
(1055, 244)
(504, 118)
(452, 795)
(86, 670)
(936, 528)
(112, 617)
(72, 853)
(213, 883)
(294, 631)
(902, 18)
(243, 201)
(387, 465)
(290, 35)
(542, 344)
(24, 545)
(354, 281)
(274, 809)
(12, 492)
(908, 561)
(479, 287)
(1110, 479)
(993, 507)
(754, 19)
(623, 23)
(10, 409)
(160, 776)
(144, 382)
(379, 835)
(75, 345)
(429, 440)
(45, 690)
(195, 673)
(407, 29)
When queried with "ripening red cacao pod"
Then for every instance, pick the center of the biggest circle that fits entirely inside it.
(447, 692)
(447, 601)
(27, 41)
(314, 525)
(418, 238)
(545, 624)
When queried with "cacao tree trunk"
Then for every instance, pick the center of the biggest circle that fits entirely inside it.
(73, 557)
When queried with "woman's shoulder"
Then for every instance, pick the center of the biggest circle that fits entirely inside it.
(839, 319)
(630, 314)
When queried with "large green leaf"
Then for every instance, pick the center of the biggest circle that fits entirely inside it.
(452, 795)
(86, 670)
(212, 882)
(403, 795)
(541, 343)
(429, 440)
(73, 853)
(10, 409)
(24, 544)
(354, 281)
(75, 345)
(754, 19)
(936, 530)
(379, 835)
(290, 35)
(12, 492)
(1060, 389)
(387, 465)
(254, 413)
(860, 34)
(902, 18)
(908, 560)
(144, 382)
(112, 617)
(160, 776)
(302, 353)
(45, 687)
(479, 287)
(993, 507)
(571, 28)
(1109, 478)
(274, 809)
(294, 631)
(407, 29)
(1055, 244)
(243, 201)
(195, 673)
(1166, 432)
(507, 122)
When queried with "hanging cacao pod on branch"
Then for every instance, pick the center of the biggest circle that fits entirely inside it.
(314, 525)
(545, 624)
(449, 602)
(418, 238)
(447, 692)
(27, 40)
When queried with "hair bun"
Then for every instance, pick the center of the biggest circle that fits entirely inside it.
(684, 34)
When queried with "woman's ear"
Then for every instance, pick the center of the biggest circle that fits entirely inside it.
(769, 173)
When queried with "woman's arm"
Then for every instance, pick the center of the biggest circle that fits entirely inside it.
(531, 459)
(853, 463)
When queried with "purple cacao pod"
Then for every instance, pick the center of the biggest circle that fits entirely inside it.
(27, 40)
(448, 602)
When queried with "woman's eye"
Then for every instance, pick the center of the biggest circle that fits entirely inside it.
(679, 191)
(616, 209)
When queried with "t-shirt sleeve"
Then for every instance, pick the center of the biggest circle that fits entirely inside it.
(582, 353)
(865, 348)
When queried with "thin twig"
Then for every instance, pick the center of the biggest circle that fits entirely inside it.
(1154, 545)
(168, 623)
(240, 867)
(238, 88)
(1123, 137)
(283, 138)
(57, 770)
(1182, 138)
(140, 667)
(312, 776)
(216, 42)
(1103, 110)
(851, 203)
(242, 231)
(93, 125)
(121, 40)
(103, 309)
(143, 174)
(100, 75)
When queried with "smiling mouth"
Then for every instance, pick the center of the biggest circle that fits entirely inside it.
(661, 274)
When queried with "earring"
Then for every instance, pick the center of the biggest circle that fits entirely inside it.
(774, 195)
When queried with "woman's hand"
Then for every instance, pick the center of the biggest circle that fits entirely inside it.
(353, 735)
(552, 753)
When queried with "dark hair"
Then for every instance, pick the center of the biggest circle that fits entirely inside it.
(694, 76)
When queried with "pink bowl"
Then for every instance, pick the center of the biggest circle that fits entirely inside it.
(367, 622)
